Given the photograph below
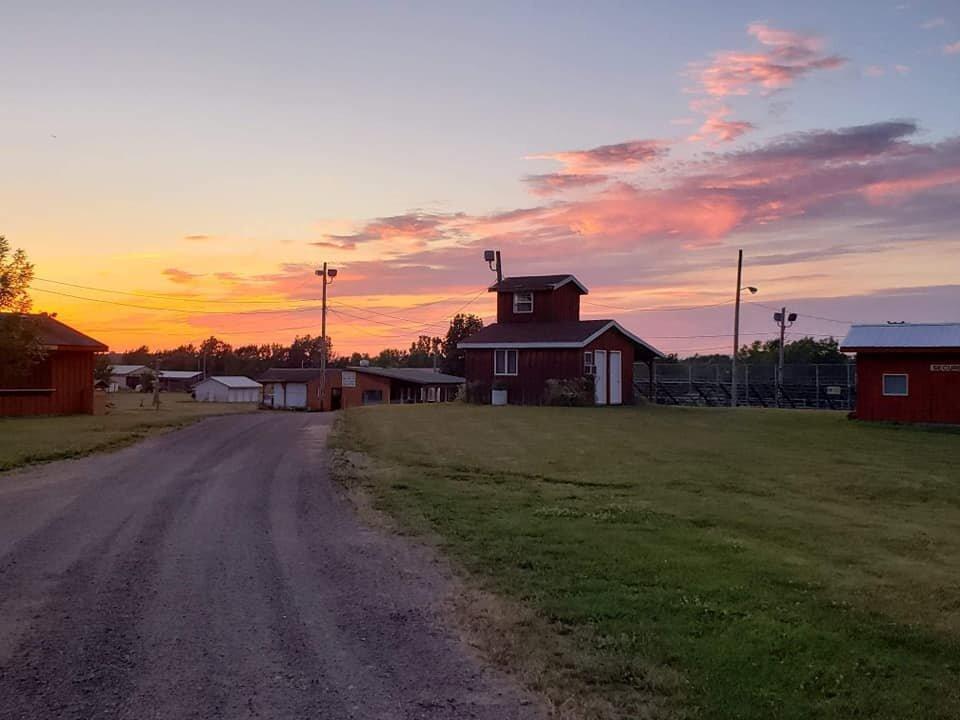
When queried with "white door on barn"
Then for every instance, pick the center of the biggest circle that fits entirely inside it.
(616, 378)
(296, 395)
(600, 377)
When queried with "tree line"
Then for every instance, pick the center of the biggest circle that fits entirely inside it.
(218, 357)
(806, 350)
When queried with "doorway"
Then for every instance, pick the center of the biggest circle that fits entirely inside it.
(600, 377)
(336, 398)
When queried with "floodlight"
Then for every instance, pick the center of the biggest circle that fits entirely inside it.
(753, 290)
(489, 256)
(792, 317)
(332, 272)
(778, 316)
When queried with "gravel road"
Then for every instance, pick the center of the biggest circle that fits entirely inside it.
(216, 572)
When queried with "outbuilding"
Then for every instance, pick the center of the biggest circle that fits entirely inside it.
(179, 380)
(62, 382)
(127, 377)
(292, 388)
(539, 337)
(228, 388)
(907, 372)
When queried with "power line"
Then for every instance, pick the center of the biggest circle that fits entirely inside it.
(164, 296)
(660, 309)
(182, 311)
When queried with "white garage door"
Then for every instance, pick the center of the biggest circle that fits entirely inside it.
(297, 395)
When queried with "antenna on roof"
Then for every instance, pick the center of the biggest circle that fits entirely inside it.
(491, 257)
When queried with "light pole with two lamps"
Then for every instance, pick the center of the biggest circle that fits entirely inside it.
(327, 274)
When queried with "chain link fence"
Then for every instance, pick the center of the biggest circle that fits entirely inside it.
(823, 386)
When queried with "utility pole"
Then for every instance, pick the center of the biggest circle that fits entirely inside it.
(492, 258)
(781, 318)
(736, 332)
(156, 383)
(327, 276)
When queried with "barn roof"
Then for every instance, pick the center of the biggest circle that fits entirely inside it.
(54, 333)
(523, 283)
(127, 369)
(297, 375)
(179, 374)
(418, 376)
(566, 334)
(234, 381)
(902, 336)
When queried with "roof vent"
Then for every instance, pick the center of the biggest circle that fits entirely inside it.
(364, 363)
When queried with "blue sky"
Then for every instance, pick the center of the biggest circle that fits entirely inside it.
(266, 128)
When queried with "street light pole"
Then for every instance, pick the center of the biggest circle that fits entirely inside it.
(736, 332)
(327, 276)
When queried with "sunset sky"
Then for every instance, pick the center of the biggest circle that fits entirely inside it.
(177, 170)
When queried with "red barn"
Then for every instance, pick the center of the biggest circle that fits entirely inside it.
(539, 336)
(62, 383)
(907, 372)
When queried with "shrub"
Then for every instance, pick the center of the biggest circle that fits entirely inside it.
(569, 392)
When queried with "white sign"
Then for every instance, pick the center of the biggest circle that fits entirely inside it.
(834, 390)
(945, 368)
(348, 378)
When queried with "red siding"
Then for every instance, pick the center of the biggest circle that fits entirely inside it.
(933, 396)
(69, 373)
(548, 306)
(536, 366)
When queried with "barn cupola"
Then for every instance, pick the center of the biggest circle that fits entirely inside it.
(538, 298)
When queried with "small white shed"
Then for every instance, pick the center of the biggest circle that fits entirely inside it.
(228, 388)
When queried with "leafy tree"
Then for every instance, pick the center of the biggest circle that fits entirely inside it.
(20, 345)
(138, 356)
(423, 350)
(101, 368)
(307, 351)
(391, 357)
(461, 327)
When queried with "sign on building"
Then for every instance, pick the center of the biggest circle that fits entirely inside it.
(834, 390)
(945, 368)
(348, 378)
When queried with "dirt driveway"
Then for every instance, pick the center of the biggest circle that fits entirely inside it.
(216, 572)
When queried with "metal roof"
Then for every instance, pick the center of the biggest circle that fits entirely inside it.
(418, 376)
(536, 335)
(179, 374)
(234, 381)
(902, 336)
(127, 369)
(297, 375)
(522, 283)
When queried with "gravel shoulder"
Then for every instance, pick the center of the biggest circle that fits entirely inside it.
(217, 572)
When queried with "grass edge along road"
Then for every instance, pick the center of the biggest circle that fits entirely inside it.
(694, 562)
(30, 440)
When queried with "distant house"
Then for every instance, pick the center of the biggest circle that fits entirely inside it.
(61, 384)
(907, 372)
(179, 380)
(228, 388)
(539, 336)
(301, 388)
(127, 377)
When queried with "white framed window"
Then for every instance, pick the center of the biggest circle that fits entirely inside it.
(523, 302)
(504, 362)
(432, 394)
(588, 367)
(896, 384)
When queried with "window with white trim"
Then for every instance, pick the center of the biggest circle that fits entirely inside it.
(896, 384)
(504, 362)
(523, 302)
(588, 367)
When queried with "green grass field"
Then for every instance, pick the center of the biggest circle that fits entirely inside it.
(705, 563)
(38, 439)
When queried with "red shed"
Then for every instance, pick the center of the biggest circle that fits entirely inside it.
(539, 336)
(62, 383)
(907, 372)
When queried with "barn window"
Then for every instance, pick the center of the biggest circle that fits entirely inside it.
(523, 302)
(895, 384)
(588, 367)
(372, 397)
(504, 362)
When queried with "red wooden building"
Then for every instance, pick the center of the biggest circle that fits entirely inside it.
(539, 336)
(62, 383)
(907, 372)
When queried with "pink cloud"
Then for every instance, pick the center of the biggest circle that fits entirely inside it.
(553, 183)
(180, 276)
(952, 48)
(873, 71)
(629, 155)
(789, 57)
(717, 128)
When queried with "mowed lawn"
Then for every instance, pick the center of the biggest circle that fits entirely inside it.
(37, 439)
(707, 563)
